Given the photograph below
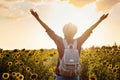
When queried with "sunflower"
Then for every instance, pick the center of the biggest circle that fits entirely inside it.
(45, 59)
(104, 63)
(13, 74)
(9, 63)
(30, 54)
(51, 55)
(17, 56)
(34, 76)
(54, 53)
(7, 55)
(92, 77)
(110, 66)
(17, 75)
(16, 62)
(36, 62)
(21, 64)
(21, 77)
(1, 56)
(117, 66)
(14, 56)
(114, 70)
(5, 75)
(28, 69)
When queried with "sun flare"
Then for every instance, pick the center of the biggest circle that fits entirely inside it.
(64, 13)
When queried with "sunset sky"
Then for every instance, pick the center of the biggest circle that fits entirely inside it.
(19, 29)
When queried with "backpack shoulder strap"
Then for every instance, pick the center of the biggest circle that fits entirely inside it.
(67, 46)
(75, 44)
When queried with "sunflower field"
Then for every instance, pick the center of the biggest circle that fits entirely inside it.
(98, 63)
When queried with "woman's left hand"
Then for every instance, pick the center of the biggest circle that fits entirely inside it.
(104, 16)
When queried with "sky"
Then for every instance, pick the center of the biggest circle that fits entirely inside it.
(19, 29)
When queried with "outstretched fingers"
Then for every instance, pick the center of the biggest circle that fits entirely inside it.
(104, 16)
(34, 13)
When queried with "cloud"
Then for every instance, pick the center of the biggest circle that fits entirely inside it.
(34, 0)
(101, 5)
(15, 10)
(80, 3)
(13, 0)
(4, 9)
(19, 8)
(105, 5)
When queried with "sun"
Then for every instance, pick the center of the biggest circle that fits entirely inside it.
(82, 17)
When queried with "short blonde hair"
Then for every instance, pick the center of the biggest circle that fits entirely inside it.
(70, 29)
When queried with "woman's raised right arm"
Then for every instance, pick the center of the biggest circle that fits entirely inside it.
(45, 26)
(49, 31)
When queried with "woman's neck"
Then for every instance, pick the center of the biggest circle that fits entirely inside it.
(69, 40)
